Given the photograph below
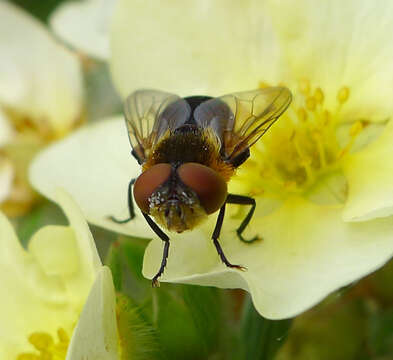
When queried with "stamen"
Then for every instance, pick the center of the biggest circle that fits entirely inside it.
(46, 347)
(343, 95)
(41, 341)
(319, 96)
(305, 148)
(302, 114)
(311, 103)
(354, 131)
(262, 85)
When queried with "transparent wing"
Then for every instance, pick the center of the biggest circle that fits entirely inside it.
(149, 114)
(240, 119)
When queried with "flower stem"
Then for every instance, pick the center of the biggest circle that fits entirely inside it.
(261, 337)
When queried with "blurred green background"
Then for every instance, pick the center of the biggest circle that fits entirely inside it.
(189, 322)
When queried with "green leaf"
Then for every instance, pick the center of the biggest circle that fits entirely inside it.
(40, 9)
(205, 308)
(262, 337)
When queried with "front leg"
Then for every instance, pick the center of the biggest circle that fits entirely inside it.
(216, 235)
(243, 200)
(165, 239)
(130, 206)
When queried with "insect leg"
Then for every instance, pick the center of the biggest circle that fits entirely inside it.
(243, 200)
(164, 237)
(130, 206)
(216, 235)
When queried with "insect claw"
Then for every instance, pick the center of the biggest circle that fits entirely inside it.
(238, 267)
(155, 283)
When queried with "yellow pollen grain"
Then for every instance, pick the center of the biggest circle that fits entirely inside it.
(304, 86)
(319, 95)
(311, 103)
(343, 95)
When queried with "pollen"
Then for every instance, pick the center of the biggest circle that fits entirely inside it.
(302, 147)
(46, 346)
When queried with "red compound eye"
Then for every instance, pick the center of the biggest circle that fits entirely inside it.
(209, 185)
(148, 182)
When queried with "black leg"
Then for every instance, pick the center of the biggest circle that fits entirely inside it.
(216, 235)
(164, 237)
(130, 206)
(243, 200)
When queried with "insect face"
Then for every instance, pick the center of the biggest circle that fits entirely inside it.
(179, 199)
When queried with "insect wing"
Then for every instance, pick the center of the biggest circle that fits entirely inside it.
(150, 114)
(240, 119)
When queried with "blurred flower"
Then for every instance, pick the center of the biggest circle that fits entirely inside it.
(85, 25)
(321, 177)
(41, 98)
(45, 288)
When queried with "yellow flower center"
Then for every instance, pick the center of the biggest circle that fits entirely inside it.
(47, 348)
(302, 147)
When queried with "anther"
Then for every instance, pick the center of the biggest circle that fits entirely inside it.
(302, 114)
(63, 336)
(311, 103)
(262, 85)
(41, 341)
(343, 95)
(319, 96)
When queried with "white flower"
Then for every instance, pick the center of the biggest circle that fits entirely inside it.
(85, 25)
(41, 97)
(322, 176)
(45, 288)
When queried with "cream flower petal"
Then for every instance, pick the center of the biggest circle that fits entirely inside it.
(37, 295)
(370, 177)
(6, 176)
(192, 47)
(95, 336)
(38, 77)
(307, 252)
(85, 25)
(335, 43)
(95, 166)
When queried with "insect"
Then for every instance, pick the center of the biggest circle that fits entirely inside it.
(189, 148)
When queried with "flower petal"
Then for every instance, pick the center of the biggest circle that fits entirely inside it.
(38, 295)
(68, 252)
(342, 44)
(203, 47)
(85, 25)
(38, 78)
(95, 335)
(370, 177)
(94, 165)
(307, 252)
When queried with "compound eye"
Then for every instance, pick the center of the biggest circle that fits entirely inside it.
(209, 185)
(148, 182)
